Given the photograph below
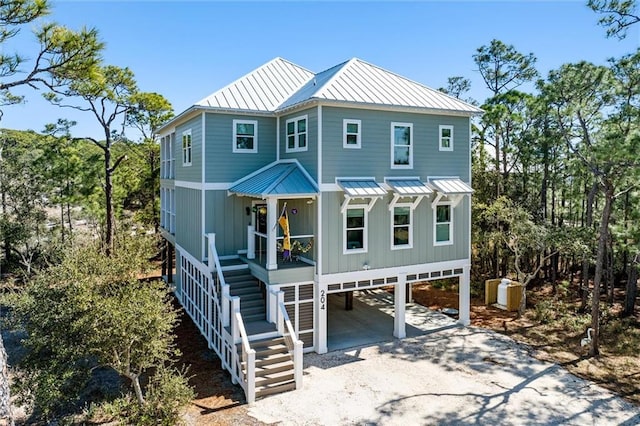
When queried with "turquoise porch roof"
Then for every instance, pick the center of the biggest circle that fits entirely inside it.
(280, 180)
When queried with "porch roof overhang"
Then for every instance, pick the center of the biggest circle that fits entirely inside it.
(280, 180)
(454, 188)
(408, 188)
(365, 188)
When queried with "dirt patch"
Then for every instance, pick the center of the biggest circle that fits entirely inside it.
(218, 401)
(558, 339)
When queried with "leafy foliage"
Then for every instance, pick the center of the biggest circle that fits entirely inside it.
(92, 310)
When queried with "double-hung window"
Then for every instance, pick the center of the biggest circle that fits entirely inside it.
(245, 136)
(401, 145)
(297, 134)
(355, 230)
(351, 133)
(442, 225)
(186, 148)
(446, 138)
(402, 227)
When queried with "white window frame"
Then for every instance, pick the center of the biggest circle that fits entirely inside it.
(345, 249)
(345, 124)
(235, 137)
(393, 226)
(187, 150)
(296, 134)
(435, 223)
(393, 145)
(441, 138)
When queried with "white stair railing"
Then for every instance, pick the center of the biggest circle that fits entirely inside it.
(285, 329)
(246, 379)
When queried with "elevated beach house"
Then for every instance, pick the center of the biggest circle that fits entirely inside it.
(288, 186)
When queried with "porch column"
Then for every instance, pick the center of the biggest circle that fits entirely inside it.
(272, 227)
(321, 307)
(464, 290)
(251, 242)
(400, 293)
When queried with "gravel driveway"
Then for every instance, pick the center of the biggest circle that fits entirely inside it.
(456, 375)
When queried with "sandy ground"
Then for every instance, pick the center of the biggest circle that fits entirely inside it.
(455, 376)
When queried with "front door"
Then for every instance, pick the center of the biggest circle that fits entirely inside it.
(260, 220)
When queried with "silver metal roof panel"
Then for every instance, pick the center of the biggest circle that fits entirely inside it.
(361, 188)
(281, 179)
(409, 187)
(263, 89)
(451, 186)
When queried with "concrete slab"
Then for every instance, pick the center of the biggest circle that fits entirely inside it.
(371, 320)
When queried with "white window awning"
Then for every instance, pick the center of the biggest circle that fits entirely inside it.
(408, 187)
(360, 188)
(453, 188)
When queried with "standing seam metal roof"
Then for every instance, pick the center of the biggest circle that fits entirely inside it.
(451, 186)
(361, 188)
(409, 187)
(281, 179)
(280, 84)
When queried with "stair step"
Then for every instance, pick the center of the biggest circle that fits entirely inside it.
(266, 342)
(270, 360)
(274, 378)
(264, 351)
(249, 281)
(250, 302)
(246, 275)
(273, 389)
(251, 297)
(245, 291)
(252, 310)
(254, 317)
(274, 368)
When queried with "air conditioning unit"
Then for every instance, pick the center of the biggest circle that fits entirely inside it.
(502, 291)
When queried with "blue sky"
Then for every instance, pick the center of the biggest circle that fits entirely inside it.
(188, 49)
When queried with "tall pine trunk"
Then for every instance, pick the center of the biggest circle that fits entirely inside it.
(602, 244)
(632, 288)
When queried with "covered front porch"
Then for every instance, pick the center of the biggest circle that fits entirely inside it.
(281, 232)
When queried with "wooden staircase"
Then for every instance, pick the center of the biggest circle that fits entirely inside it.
(246, 286)
(274, 367)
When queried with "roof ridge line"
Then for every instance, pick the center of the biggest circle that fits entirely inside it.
(277, 58)
(276, 182)
(341, 71)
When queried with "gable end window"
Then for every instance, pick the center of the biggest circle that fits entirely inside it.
(186, 148)
(442, 225)
(446, 138)
(355, 230)
(297, 134)
(351, 133)
(401, 145)
(245, 136)
(402, 227)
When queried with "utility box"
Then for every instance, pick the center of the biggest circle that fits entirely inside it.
(513, 294)
(491, 291)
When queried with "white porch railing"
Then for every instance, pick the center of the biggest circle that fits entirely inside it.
(246, 378)
(285, 329)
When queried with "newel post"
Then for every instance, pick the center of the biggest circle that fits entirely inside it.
(251, 242)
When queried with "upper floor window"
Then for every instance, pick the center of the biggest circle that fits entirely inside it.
(351, 133)
(401, 227)
(442, 225)
(245, 136)
(297, 134)
(446, 138)
(355, 230)
(401, 145)
(186, 148)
